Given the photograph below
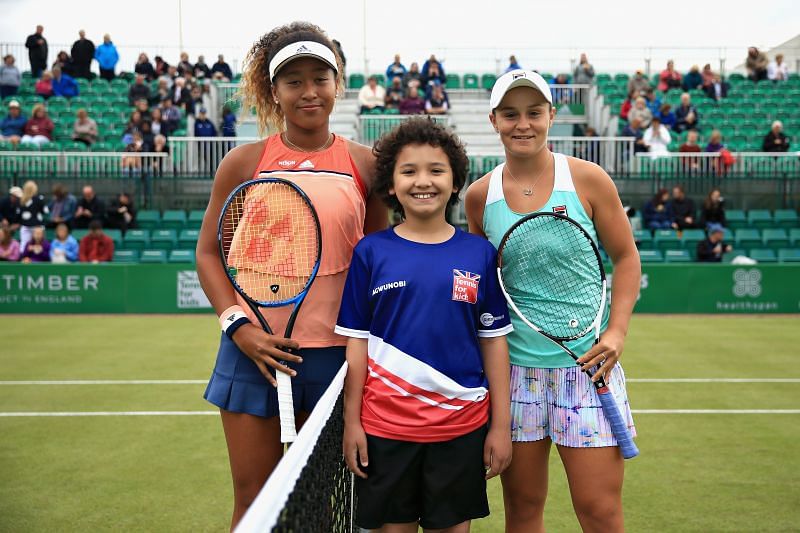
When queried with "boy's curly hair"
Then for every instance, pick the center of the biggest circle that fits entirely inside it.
(256, 85)
(418, 131)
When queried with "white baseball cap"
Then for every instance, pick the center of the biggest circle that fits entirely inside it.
(300, 49)
(518, 78)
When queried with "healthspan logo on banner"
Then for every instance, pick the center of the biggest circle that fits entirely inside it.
(747, 286)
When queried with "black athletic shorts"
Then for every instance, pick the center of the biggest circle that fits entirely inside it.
(438, 484)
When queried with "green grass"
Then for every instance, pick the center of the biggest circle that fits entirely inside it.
(697, 472)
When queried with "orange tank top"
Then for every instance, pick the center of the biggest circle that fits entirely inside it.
(332, 183)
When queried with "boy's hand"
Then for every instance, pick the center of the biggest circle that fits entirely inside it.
(354, 446)
(497, 451)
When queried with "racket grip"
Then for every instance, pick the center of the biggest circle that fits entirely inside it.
(286, 407)
(618, 425)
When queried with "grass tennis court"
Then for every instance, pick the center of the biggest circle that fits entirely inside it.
(713, 471)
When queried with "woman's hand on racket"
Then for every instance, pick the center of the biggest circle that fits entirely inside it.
(497, 451)
(354, 447)
(266, 350)
(603, 355)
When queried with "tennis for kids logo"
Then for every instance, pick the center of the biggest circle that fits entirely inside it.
(465, 286)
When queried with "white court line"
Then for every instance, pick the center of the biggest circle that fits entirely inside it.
(112, 413)
(713, 380)
(716, 411)
(216, 413)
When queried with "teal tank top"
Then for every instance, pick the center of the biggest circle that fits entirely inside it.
(527, 347)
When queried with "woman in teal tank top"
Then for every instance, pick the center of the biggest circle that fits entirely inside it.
(552, 399)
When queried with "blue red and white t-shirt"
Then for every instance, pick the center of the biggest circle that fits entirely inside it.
(422, 308)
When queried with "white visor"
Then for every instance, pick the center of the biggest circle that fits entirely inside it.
(518, 78)
(300, 49)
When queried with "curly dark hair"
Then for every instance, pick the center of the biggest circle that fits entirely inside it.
(418, 131)
(256, 86)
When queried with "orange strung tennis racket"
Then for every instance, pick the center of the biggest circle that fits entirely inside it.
(270, 244)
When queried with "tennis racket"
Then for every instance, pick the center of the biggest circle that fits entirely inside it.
(552, 276)
(270, 244)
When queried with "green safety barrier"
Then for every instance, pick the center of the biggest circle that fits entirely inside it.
(166, 288)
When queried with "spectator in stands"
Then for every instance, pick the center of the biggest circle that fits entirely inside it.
(683, 210)
(90, 208)
(584, 72)
(667, 116)
(653, 101)
(134, 125)
(776, 140)
(690, 164)
(394, 94)
(435, 77)
(426, 70)
(589, 149)
(777, 70)
(371, 96)
(715, 142)
(181, 96)
(713, 209)
(717, 88)
(82, 55)
(713, 247)
(625, 107)
(634, 129)
(12, 127)
(37, 51)
(32, 212)
(657, 137)
(641, 112)
(64, 84)
(143, 108)
(657, 213)
(686, 115)
(139, 89)
(10, 77)
(669, 78)
(9, 246)
(199, 99)
(107, 57)
(64, 248)
(412, 78)
(84, 129)
(693, 79)
(37, 248)
(162, 92)
(159, 147)
(64, 62)
(223, 68)
(39, 128)
(228, 124)
(201, 69)
(203, 127)
(638, 83)
(412, 104)
(146, 131)
(185, 67)
(707, 75)
(144, 68)
(133, 163)
(96, 246)
(756, 64)
(121, 213)
(44, 85)
(513, 64)
(61, 207)
(171, 116)
(9, 209)
(161, 67)
(437, 103)
(156, 121)
(396, 69)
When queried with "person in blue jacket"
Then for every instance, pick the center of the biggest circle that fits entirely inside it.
(64, 248)
(107, 57)
(13, 125)
(64, 84)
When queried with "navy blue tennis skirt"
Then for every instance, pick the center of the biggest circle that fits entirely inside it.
(238, 386)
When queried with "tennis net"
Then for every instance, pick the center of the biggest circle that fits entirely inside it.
(311, 489)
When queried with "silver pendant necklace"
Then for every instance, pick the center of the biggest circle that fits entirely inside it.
(527, 191)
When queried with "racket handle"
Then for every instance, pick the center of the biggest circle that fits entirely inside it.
(286, 407)
(618, 425)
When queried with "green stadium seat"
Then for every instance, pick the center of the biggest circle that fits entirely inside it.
(666, 239)
(794, 237)
(748, 238)
(470, 81)
(153, 256)
(651, 256)
(195, 219)
(148, 219)
(115, 234)
(759, 218)
(174, 219)
(453, 82)
(357, 81)
(181, 256)
(136, 239)
(187, 238)
(678, 256)
(775, 238)
(643, 238)
(763, 255)
(163, 239)
(691, 237)
(789, 255)
(786, 218)
(487, 81)
(126, 256)
(727, 257)
(735, 219)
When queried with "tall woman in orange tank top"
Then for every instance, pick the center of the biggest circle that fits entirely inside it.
(292, 78)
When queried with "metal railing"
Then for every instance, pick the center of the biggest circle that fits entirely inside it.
(750, 164)
(372, 127)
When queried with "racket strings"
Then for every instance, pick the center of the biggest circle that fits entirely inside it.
(270, 239)
(550, 271)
